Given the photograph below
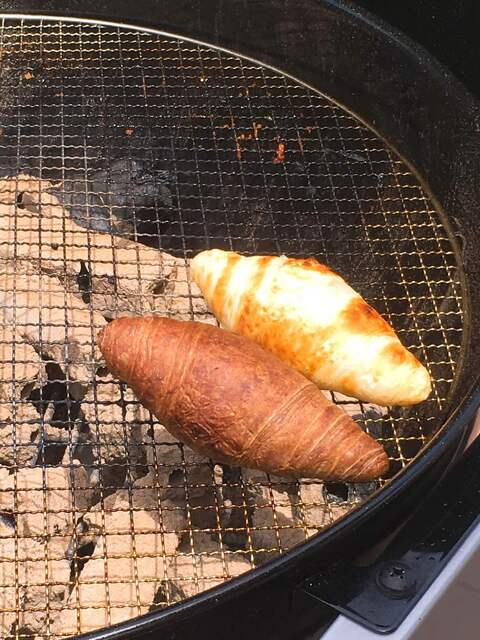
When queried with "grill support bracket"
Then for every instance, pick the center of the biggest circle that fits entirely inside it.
(380, 595)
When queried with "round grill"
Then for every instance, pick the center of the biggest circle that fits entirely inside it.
(123, 153)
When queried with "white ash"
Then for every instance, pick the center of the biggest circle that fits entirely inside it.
(189, 476)
(168, 592)
(51, 443)
(143, 280)
(193, 486)
(204, 565)
(262, 513)
(140, 508)
(42, 500)
(114, 428)
(164, 452)
(273, 514)
(113, 587)
(128, 497)
(183, 296)
(57, 324)
(20, 426)
(163, 449)
(314, 509)
(84, 495)
(235, 509)
(27, 605)
(21, 368)
(21, 372)
(133, 542)
(368, 415)
(174, 465)
(35, 540)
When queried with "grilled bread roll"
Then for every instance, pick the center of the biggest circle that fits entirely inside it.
(235, 402)
(310, 317)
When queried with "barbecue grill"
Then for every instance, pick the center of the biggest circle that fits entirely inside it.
(125, 148)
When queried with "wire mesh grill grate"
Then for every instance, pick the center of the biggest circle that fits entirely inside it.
(106, 134)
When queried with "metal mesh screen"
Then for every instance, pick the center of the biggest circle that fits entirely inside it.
(122, 154)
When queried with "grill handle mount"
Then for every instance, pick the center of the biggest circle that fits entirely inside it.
(380, 594)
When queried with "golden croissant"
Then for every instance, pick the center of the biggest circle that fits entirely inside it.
(310, 317)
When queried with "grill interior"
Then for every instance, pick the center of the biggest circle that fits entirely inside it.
(109, 133)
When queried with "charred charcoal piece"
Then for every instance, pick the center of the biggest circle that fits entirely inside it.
(336, 491)
(113, 195)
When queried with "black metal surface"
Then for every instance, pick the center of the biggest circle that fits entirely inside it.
(433, 123)
(381, 596)
(449, 31)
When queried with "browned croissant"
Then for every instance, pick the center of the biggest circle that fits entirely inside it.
(235, 402)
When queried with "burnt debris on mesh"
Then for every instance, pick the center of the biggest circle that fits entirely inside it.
(173, 148)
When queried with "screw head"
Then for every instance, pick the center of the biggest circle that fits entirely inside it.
(396, 580)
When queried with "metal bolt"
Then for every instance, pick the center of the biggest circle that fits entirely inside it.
(396, 580)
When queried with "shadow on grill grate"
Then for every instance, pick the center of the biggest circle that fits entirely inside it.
(173, 148)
